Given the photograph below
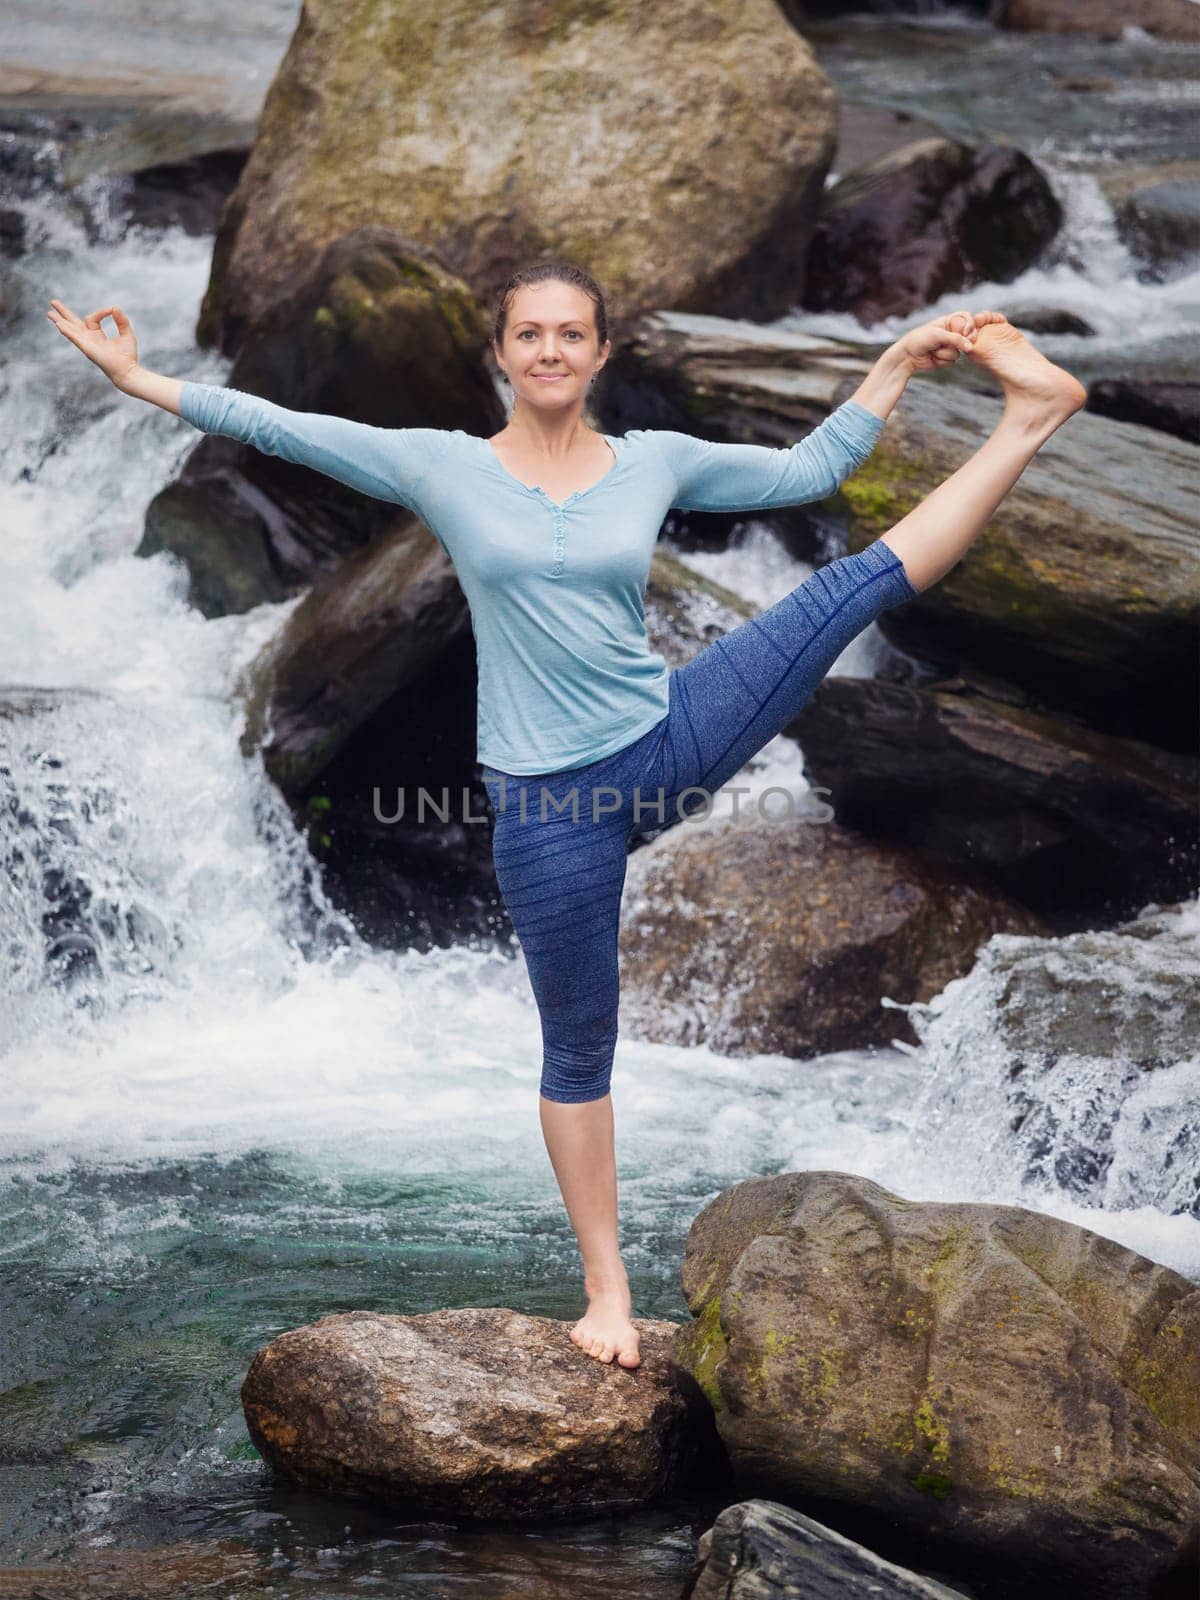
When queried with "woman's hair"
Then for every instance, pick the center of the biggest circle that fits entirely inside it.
(557, 271)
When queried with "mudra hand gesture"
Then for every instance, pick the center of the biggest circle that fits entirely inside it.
(940, 343)
(117, 357)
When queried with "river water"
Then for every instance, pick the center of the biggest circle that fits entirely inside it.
(224, 1115)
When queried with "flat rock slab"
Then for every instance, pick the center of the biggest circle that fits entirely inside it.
(477, 1413)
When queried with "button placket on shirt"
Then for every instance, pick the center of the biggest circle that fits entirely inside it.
(560, 540)
(559, 513)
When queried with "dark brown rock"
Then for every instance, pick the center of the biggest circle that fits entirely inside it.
(1073, 823)
(1169, 407)
(924, 220)
(1012, 1391)
(866, 132)
(362, 634)
(479, 1412)
(1049, 319)
(772, 935)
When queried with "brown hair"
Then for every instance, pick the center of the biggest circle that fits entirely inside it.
(557, 271)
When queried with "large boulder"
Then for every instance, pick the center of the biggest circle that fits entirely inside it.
(807, 928)
(1078, 825)
(378, 332)
(1015, 1393)
(486, 134)
(1169, 19)
(761, 1550)
(479, 1412)
(919, 222)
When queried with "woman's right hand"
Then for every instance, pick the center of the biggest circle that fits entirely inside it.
(117, 357)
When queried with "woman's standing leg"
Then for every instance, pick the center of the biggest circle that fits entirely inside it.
(561, 876)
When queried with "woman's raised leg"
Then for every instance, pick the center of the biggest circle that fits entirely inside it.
(745, 687)
(1038, 399)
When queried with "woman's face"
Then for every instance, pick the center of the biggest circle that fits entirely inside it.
(550, 345)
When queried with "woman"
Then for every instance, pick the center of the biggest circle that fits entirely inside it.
(584, 735)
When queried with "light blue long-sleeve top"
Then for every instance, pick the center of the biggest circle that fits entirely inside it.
(555, 590)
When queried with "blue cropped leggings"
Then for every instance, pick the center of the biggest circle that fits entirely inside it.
(561, 839)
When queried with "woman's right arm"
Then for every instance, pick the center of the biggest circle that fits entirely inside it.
(386, 463)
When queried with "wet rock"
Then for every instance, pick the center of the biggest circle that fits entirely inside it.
(716, 113)
(1013, 1391)
(1169, 407)
(1074, 83)
(1075, 824)
(13, 232)
(1169, 19)
(1160, 224)
(380, 334)
(927, 219)
(476, 1412)
(762, 1550)
(160, 138)
(184, 194)
(806, 929)
(362, 634)
(1049, 319)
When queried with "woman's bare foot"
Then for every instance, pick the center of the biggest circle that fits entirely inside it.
(605, 1329)
(1034, 388)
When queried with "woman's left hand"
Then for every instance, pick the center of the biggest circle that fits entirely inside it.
(939, 343)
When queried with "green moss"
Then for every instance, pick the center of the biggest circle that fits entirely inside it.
(934, 1432)
(938, 1484)
(884, 489)
(1164, 1389)
(708, 1347)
